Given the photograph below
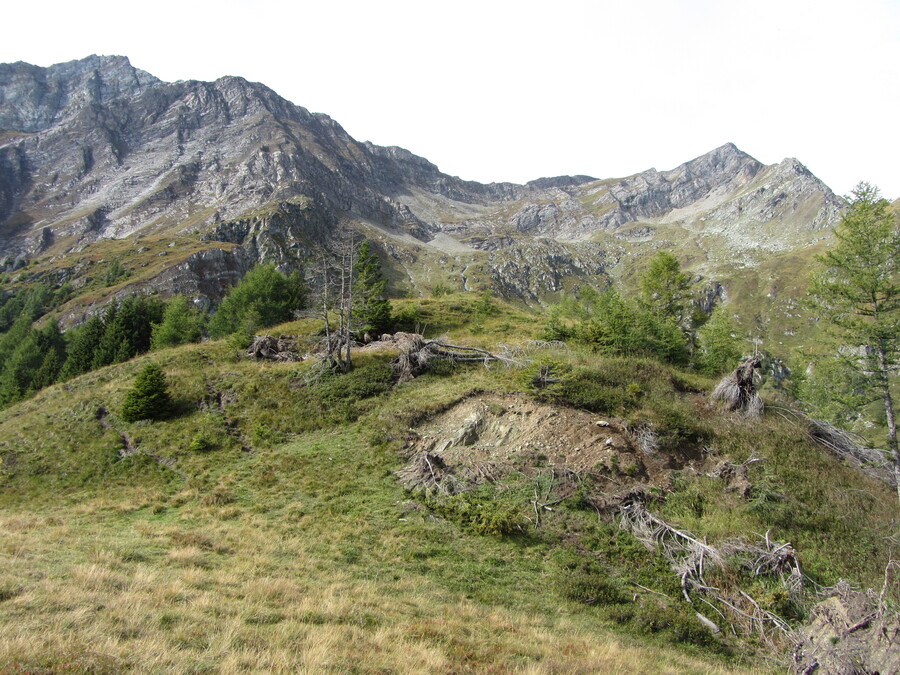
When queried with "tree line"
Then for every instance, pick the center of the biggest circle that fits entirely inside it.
(33, 357)
(664, 321)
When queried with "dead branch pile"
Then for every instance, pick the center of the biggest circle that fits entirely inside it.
(767, 558)
(274, 349)
(847, 446)
(612, 504)
(647, 439)
(417, 353)
(690, 559)
(545, 344)
(738, 390)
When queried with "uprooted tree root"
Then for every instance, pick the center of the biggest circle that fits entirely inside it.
(851, 631)
(737, 390)
(427, 472)
(270, 348)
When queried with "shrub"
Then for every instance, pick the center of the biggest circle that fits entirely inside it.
(201, 442)
(481, 513)
(362, 382)
(485, 305)
(408, 318)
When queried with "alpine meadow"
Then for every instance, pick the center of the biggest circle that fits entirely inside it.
(274, 400)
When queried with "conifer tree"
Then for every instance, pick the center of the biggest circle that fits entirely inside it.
(719, 349)
(149, 398)
(264, 292)
(180, 324)
(857, 293)
(666, 294)
(665, 289)
(18, 371)
(83, 342)
(52, 346)
(614, 326)
(372, 309)
(127, 330)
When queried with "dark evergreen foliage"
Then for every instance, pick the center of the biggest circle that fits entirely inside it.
(83, 342)
(372, 309)
(149, 398)
(264, 297)
(33, 362)
(127, 330)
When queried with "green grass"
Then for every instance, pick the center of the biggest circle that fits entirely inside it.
(141, 259)
(284, 542)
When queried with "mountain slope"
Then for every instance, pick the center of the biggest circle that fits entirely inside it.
(285, 542)
(95, 152)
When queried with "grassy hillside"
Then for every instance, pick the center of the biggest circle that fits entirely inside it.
(263, 527)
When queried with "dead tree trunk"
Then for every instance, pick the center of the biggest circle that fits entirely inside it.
(885, 385)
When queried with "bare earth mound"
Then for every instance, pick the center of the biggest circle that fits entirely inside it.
(488, 437)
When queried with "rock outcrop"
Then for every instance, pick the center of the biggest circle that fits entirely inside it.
(96, 149)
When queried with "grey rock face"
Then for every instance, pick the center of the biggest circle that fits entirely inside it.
(33, 99)
(533, 268)
(96, 149)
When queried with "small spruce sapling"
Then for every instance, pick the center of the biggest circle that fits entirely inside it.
(373, 309)
(149, 398)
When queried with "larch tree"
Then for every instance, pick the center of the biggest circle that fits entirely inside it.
(665, 289)
(857, 294)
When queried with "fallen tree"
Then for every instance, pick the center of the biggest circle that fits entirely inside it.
(417, 354)
(270, 348)
(844, 445)
(692, 559)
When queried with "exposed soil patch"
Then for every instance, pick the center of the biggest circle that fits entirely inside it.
(488, 437)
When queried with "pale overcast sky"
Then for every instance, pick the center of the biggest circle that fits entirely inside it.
(511, 91)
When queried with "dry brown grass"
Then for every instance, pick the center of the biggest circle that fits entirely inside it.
(155, 596)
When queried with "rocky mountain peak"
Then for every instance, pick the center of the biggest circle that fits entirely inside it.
(33, 99)
(721, 165)
(791, 165)
(96, 149)
(399, 154)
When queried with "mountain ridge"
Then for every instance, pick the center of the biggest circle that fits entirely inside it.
(95, 150)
